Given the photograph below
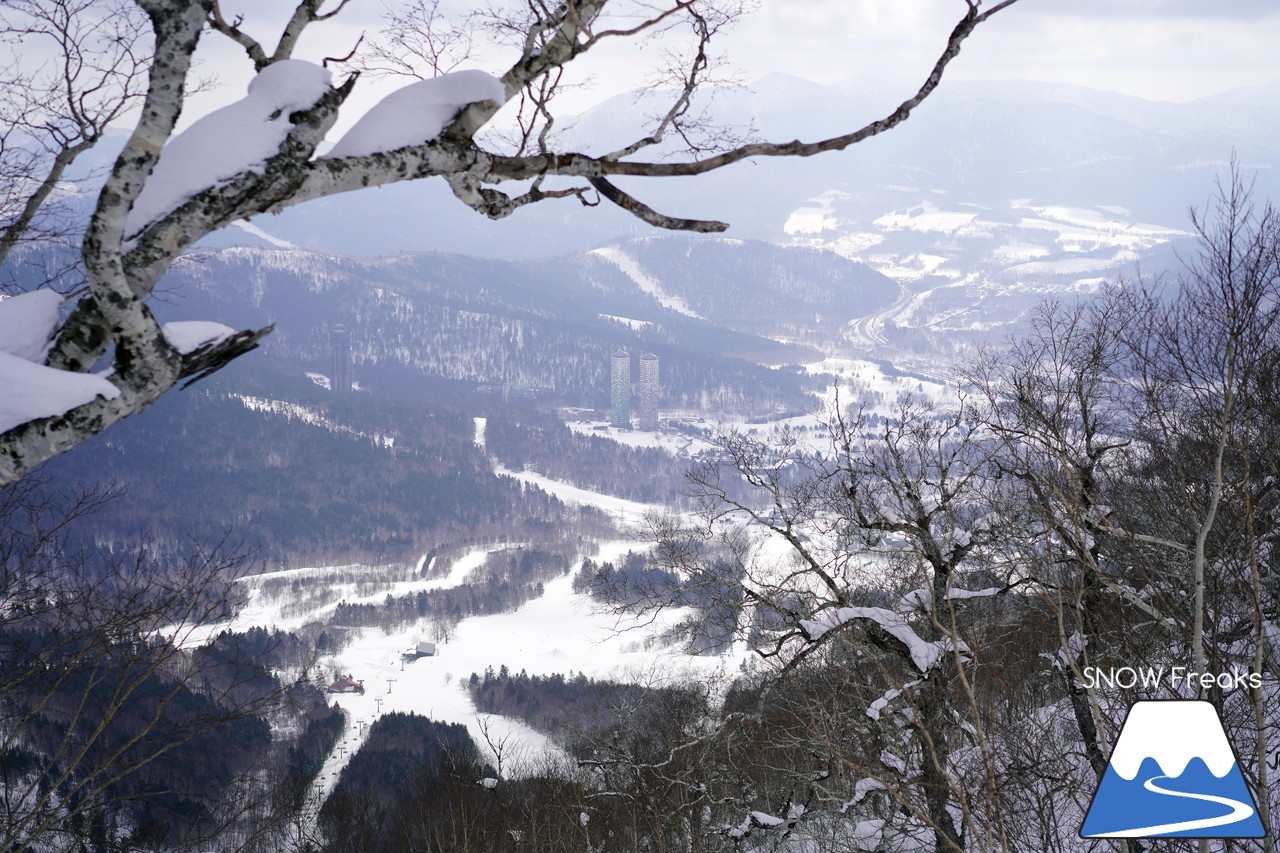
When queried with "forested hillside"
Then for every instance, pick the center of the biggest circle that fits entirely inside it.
(313, 479)
(482, 322)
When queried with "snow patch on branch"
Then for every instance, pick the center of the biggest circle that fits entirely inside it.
(756, 820)
(923, 654)
(1068, 653)
(875, 708)
(920, 599)
(878, 707)
(33, 391)
(28, 389)
(860, 790)
(28, 322)
(867, 834)
(238, 138)
(187, 336)
(417, 113)
(916, 600)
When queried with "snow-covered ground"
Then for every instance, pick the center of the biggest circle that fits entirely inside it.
(559, 632)
(623, 510)
(972, 268)
(674, 443)
(650, 285)
(860, 383)
(296, 411)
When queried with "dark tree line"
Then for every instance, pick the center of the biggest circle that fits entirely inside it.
(504, 583)
(574, 709)
(382, 481)
(403, 789)
(540, 442)
(121, 726)
(640, 580)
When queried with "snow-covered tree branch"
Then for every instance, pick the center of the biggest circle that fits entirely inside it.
(109, 358)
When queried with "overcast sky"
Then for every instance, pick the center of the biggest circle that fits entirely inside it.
(1170, 50)
(1173, 50)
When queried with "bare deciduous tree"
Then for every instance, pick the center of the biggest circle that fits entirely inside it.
(107, 687)
(1055, 402)
(69, 69)
(1207, 362)
(874, 548)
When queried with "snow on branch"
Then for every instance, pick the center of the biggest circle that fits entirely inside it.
(924, 655)
(31, 390)
(238, 138)
(920, 600)
(417, 113)
(28, 322)
(763, 820)
(189, 335)
(879, 706)
(34, 391)
(860, 791)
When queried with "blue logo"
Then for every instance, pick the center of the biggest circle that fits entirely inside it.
(1173, 774)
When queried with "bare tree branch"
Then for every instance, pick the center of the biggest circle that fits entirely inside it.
(643, 211)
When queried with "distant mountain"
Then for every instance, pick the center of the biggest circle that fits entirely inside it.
(786, 293)
(983, 143)
(437, 341)
(547, 330)
(992, 196)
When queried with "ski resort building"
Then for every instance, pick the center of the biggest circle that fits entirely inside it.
(340, 371)
(620, 389)
(346, 685)
(421, 650)
(647, 410)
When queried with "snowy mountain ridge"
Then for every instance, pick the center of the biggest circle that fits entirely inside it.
(1172, 733)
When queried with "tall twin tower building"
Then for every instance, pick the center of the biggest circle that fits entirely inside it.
(646, 391)
(340, 352)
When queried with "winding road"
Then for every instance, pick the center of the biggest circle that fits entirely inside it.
(1239, 811)
(867, 332)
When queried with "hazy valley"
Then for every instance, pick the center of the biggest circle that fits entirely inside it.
(470, 492)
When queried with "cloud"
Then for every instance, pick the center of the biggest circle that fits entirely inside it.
(1240, 10)
(1159, 49)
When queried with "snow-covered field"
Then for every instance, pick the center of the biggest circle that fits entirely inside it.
(296, 411)
(559, 632)
(674, 443)
(626, 511)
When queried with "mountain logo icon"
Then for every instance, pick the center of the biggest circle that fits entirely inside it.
(1173, 774)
